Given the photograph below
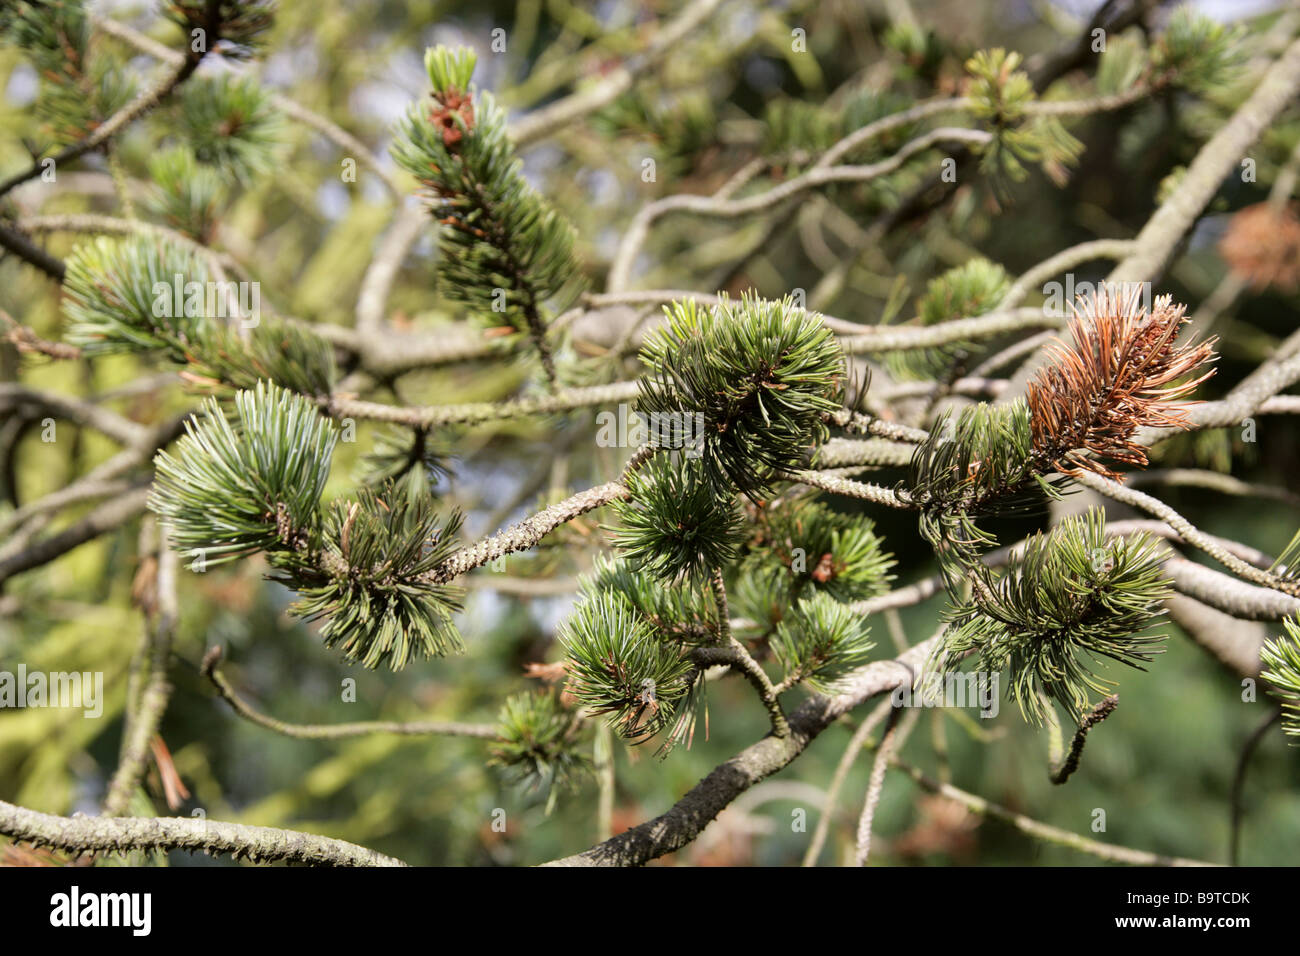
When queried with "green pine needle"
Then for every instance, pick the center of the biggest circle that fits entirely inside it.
(757, 375)
(81, 83)
(619, 667)
(976, 464)
(674, 525)
(1281, 659)
(235, 488)
(230, 124)
(504, 251)
(804, 547)
(971, 289)
(1072, 598)
(118, 296)
(368, 581)
(686, 614)
(188, 197)
(538, 746)
(1196, 53)
(820, 642)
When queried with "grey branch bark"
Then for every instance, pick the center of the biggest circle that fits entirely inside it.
(121, 834)
(691, 814)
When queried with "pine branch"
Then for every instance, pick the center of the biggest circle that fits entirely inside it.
(1124, 372)
(211, 669)
(1044, 831)
(210, 15)
(123, 834)
(505, 251)
(1068, 599)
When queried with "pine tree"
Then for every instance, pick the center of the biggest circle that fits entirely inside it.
(754, 531)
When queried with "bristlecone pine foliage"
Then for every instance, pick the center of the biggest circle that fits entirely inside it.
(505, 251)
(718, 554)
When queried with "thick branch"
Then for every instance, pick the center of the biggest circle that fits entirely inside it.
(122, 834)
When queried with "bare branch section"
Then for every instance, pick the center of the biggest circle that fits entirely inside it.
(123, 834)
(1095, 716)
(1044, 831)
(413, 728)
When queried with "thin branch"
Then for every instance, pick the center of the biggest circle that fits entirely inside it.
(856, 423)
(15, 397)
(1239, 784)
(549, 120)
(377, 283)
(528, 532)
(568, 399)
(859, 739)
(352, 146)
(740, 659)
(211, 669)
(852, 489)
(1044, 831)
(1189, 532)
(96, 223)
(106, 517)
(25, 340)
(1062, 772)
(903, 338)
(29, 252)
(142, 725)
(1064, 261)
(145, 101)
(728, 208)
(876, 786)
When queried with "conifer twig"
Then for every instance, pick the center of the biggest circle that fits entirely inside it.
(352, 146)
(876, 786)
(1060, 773)
(1043, 831)
(143, 102)
(212, 670)
(142, 725)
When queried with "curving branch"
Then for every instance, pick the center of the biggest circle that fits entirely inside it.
(414, 728)
(1044, 831)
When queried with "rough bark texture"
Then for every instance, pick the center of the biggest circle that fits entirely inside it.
(690, 815)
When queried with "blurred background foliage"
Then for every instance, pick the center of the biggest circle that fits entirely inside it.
(1160, 768)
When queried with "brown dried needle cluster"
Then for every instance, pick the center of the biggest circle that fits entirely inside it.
(1123, 372)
